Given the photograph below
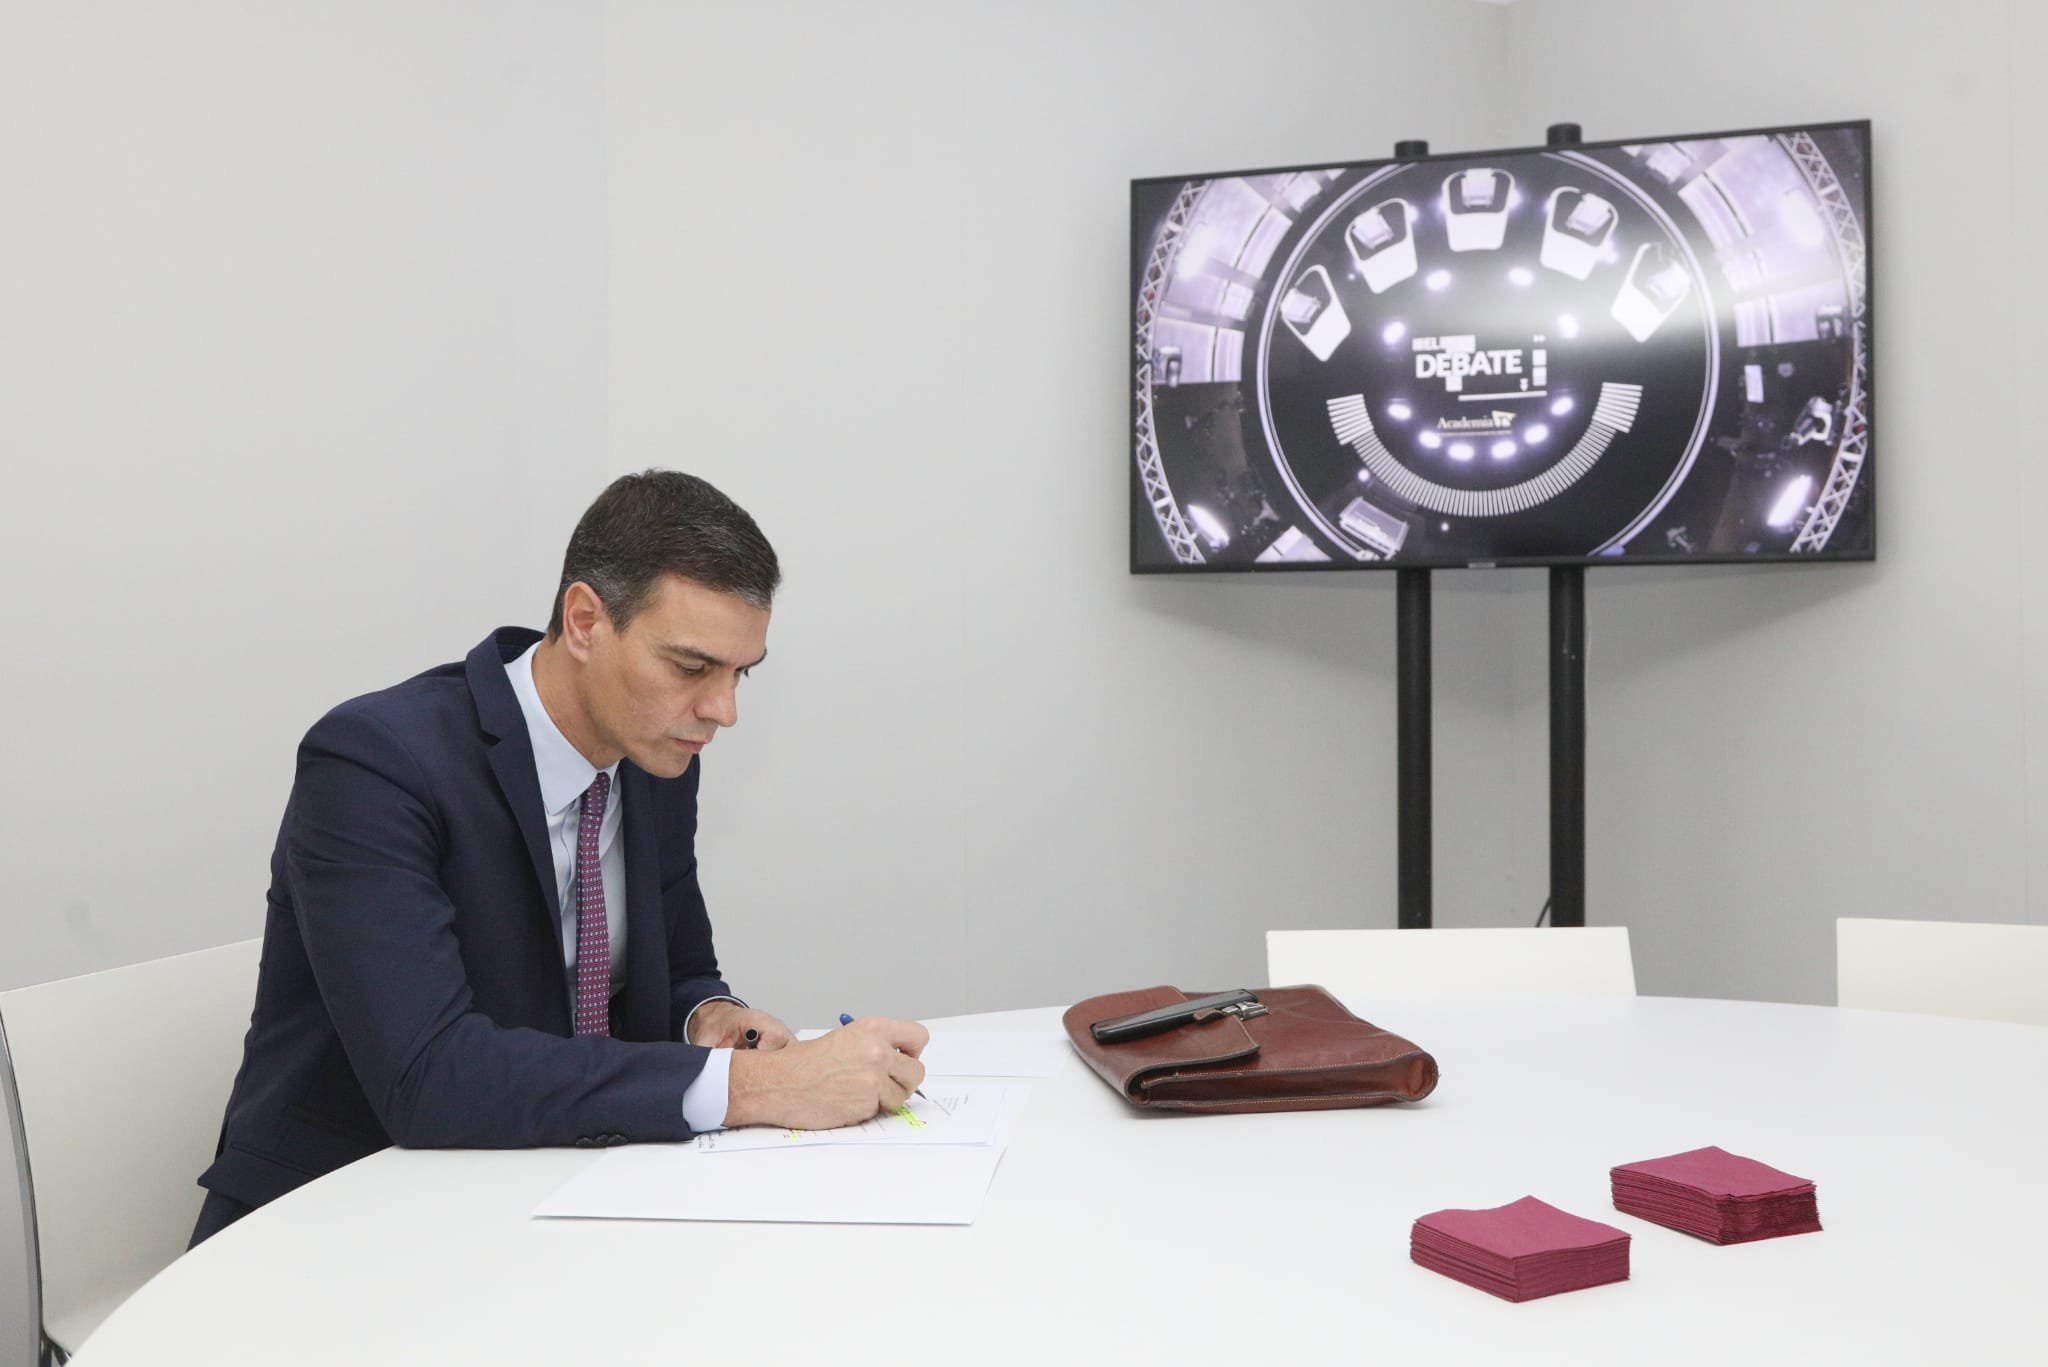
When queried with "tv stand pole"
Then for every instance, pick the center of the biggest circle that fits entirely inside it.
(1567, 719)
(1412, 699)
(1567, 713)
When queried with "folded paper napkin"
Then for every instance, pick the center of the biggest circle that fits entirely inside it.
(1521, 1250)
(1716, 1195)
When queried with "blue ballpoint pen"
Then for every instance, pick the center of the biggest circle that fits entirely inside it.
(845, 1019)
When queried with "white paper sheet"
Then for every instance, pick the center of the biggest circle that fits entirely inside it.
(872, 1184)
(947, 1113)
(990, 1053)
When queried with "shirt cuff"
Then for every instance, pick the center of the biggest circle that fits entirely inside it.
(704, 1100)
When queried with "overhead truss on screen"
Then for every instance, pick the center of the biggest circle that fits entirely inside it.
(1840, 210)
(1152, 289)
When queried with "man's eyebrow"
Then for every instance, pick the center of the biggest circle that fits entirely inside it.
(697, 656)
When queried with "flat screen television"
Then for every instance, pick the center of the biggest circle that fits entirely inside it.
(1644, 352)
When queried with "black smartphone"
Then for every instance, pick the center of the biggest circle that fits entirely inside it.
(1166, 1017)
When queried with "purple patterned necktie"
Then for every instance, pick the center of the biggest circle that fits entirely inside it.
(593, 936)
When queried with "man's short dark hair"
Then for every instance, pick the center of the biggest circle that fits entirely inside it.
(665, 522)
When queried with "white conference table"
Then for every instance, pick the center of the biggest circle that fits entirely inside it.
(1111, 1236)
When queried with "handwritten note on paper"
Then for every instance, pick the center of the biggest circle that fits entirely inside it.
(956, 1113)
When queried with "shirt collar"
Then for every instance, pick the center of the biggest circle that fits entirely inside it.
(563, 772)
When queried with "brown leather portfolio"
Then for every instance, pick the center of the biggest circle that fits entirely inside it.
(1304, 1052)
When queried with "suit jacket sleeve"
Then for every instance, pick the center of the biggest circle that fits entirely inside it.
(362, 855)
(692, 965)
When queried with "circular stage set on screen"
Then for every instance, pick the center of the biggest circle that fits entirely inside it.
(1640, 352)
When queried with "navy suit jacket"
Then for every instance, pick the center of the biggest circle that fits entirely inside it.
(412, 989)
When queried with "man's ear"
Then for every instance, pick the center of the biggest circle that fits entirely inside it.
(583, 618)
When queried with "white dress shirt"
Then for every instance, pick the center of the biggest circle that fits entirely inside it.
(564, 777)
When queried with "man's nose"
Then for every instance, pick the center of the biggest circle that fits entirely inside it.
(722, 707)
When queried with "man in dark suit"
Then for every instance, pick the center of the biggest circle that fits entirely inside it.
(484, 925)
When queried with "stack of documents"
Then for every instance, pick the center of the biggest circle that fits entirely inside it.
(930, 1161)
(1521, 1250)
(1716, 1195)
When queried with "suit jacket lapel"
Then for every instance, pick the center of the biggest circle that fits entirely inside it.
(511, 753)
(648, 1005)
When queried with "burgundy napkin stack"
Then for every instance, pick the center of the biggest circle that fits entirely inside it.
(1521, 1250)
(1716, 1195)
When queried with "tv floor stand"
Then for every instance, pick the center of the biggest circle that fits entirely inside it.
(1414, 810)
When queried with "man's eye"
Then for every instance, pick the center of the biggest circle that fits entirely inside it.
(690, 671)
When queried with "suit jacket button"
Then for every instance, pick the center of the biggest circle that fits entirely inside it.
(584, 1141)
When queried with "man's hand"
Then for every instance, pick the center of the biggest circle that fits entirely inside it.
(723, 1025)
(840, 1079)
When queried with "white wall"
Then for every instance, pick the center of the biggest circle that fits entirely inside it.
(301, 388)
(2027, 34)
(863, 273)
(295, 281)
(870, 274)
(1771, 748)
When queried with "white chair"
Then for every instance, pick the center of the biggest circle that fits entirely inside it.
(21, 1317)
(114, 1087)
(1943, 968)
(1588, 961)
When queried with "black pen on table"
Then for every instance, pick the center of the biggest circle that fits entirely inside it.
(845, 1019)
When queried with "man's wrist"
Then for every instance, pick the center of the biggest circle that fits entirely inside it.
(745, 1087)
(690, 1021)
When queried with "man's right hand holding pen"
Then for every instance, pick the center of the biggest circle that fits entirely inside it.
(841, 1078)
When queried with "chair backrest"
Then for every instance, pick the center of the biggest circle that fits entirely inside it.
(21, 1302)
(120, 1079)
(1590, 961)
(1943, 968)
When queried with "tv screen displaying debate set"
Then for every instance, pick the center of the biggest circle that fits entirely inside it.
(1654, 351)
